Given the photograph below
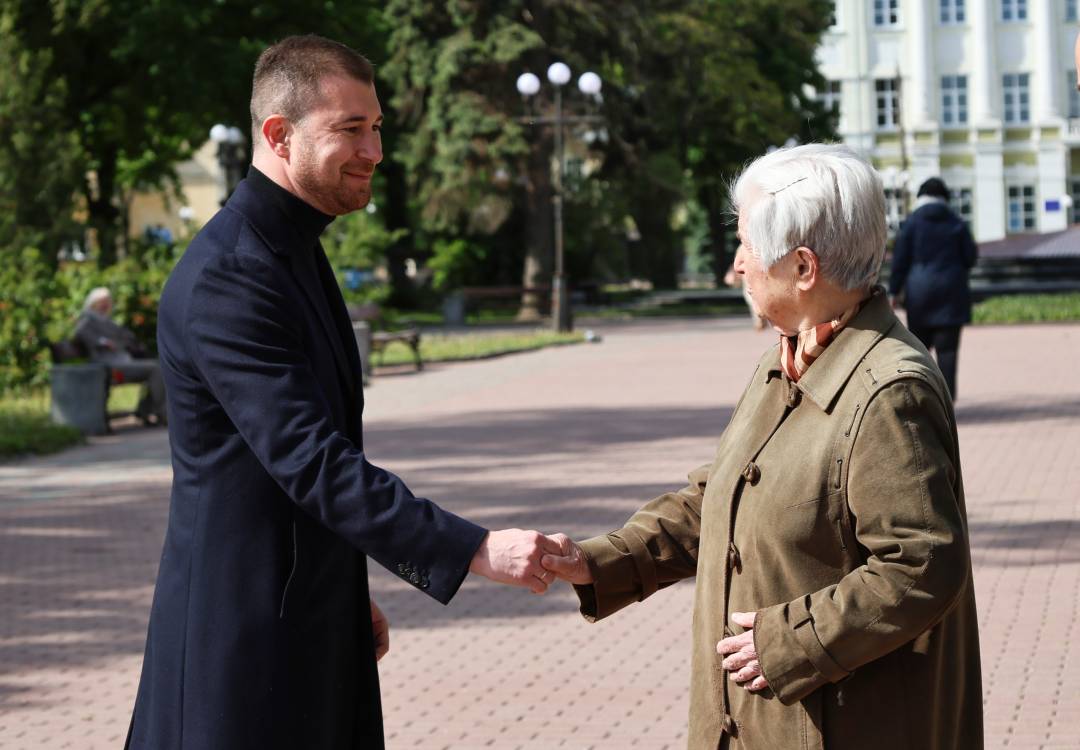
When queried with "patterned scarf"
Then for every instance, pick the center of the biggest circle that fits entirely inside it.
(798, 352)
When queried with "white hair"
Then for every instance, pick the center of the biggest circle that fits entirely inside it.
(821, 196)
(97, 294)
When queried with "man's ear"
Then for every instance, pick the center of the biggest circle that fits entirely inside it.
(807, 269)
(277, 135)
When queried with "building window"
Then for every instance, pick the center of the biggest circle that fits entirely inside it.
(1074, 95)
(1013, 10)
(888, 105)
(960, 202)
(1074, 212)
(1017, 100)
(954, 109)
(834, 14)
(886, 12)
(952, 11)
(830, 97)
(1021, 212)
(1070, 10)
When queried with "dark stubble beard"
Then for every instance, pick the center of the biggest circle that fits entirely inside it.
(335, 199)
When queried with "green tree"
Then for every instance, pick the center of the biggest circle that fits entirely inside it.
(138, 84)
(39, 158)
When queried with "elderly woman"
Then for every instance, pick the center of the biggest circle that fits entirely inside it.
(834, 604)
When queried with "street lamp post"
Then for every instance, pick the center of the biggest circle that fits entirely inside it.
(528, 84)
(231, 156)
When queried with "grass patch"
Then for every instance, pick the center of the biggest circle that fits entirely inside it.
(25, 426)
(451, 348)
(1028, 308)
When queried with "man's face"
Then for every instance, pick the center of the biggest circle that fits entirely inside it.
(336, 146)
(771, 289)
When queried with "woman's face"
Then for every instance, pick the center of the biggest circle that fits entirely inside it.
(772, 289)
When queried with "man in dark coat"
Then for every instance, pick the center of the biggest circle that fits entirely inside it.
(262, 633)
(933, 255)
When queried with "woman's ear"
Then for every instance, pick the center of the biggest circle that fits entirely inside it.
(807, 269)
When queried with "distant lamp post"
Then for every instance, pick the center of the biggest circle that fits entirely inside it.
(528, 84)
(231, 156)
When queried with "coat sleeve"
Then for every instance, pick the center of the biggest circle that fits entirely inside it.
(905, 497)
(246, 345)
(657, 547)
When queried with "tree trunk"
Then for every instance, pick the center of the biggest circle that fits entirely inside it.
(103, 214)
(714, 201)
(539, 227)
(396, 216)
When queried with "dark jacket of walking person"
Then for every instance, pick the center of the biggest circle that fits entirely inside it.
(932, 259)
(262, 631)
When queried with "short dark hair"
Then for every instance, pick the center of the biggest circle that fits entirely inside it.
(934, 187)
(288, 75)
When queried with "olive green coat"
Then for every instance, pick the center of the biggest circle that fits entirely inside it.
(835, 510)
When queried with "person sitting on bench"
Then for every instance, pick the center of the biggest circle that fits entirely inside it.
(109, 343)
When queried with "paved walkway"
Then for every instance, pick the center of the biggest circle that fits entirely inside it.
(569, 439)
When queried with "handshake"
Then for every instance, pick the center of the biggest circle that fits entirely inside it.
(530, 559)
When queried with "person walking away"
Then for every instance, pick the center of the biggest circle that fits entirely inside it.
(933, 256)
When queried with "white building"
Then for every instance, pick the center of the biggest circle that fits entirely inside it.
(979, 92)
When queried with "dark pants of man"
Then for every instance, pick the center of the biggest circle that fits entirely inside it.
(152, 403)
(945, 341)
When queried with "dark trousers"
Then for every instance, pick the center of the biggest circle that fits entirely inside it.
(945, 341)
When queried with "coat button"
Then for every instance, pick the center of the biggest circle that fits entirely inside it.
(414, 578)
(734, 559)
(730, 726)
(752, 473)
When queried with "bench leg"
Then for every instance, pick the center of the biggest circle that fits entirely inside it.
(416, 354)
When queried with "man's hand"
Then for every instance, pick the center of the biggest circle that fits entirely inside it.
(569, 563)
(380, 626)
(513, 556)
(742, 661)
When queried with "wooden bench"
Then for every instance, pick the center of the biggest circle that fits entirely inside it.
(378, 337)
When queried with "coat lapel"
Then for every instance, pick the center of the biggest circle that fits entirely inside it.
(304, 267)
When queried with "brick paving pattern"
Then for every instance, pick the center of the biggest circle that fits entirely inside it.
(570, 439)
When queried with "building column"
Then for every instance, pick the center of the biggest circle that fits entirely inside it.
(985, 104)
(920, 98)
(1047, 78)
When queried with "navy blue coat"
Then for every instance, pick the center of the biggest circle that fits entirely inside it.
(260, 632)
(933, 254)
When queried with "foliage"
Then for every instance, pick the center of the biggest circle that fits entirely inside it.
(36, 204)
(359, 242)
(32, 301)
(138, 84)
(39, 305)
(1028, 308)
(25, 426)
(453, 261)
(436, 348)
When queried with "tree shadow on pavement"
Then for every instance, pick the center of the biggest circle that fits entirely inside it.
(81, 532)
(1026, 411)
(1053, 541)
